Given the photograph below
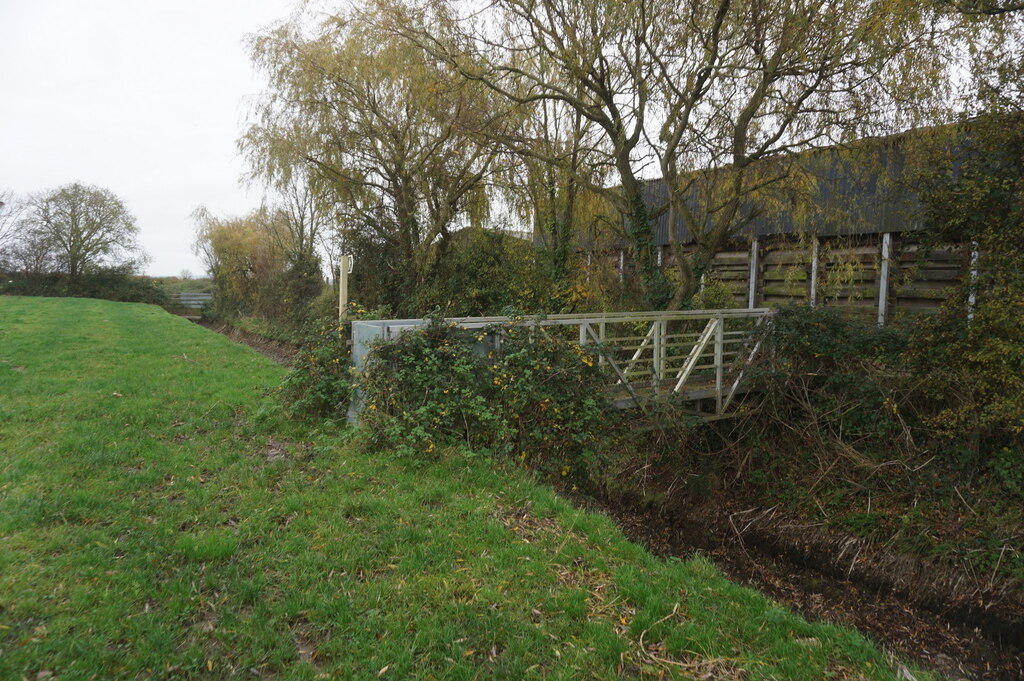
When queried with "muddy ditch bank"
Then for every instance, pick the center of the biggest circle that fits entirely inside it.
(278, 351)
(958, 625)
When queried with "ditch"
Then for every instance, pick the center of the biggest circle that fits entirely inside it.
(891, 599)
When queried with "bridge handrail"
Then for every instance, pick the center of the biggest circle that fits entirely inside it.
(656, 350)
(590, 318)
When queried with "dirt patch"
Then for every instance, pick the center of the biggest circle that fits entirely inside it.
(305, 647)
(278, 351)
(896, 600)
(274, 451)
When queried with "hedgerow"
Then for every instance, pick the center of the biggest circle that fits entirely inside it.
(507, 391)
(119, 284)
(319, 382)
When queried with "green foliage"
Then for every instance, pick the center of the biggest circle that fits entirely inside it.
(197, 544)
(174, 285)
(82, 228)
(112, 283)
(1008, 466)
(509, 391)
(486, 272)
(833, 375)
(319, 381)
(972, 367)
(714, 295)
(972, 371)
(259, 268)
(301, 283)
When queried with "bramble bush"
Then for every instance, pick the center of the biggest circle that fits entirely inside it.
(833, 378)
(505, 391)
(319, 382)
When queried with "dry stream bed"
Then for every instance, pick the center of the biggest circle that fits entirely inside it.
(826, 579)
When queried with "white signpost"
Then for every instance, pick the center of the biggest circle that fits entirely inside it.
(344, 269)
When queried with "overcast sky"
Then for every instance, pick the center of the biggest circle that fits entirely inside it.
(145, 98)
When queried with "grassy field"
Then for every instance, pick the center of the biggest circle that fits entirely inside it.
(160, 520)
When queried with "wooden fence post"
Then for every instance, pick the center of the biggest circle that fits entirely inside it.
(883, 279)
(814, 271)
(754, 275)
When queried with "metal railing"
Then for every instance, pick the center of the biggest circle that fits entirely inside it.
(191, 300)
(691, 355)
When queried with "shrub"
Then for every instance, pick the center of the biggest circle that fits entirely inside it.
(972, 368)
(832, 378)
(972, 371)
(484, 272)
(506, 391)
(319, 382)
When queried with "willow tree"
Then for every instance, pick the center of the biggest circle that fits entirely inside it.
(390, 133)
(248, 257)
(708, 95)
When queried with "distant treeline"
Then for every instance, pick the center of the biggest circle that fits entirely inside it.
(109, 283)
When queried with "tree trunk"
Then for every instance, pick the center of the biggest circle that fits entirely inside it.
(656, 289)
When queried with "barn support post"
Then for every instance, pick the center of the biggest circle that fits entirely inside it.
(883, 278)
(814, 271)
(754, 276)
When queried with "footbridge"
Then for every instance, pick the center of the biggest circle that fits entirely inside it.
(698, 357)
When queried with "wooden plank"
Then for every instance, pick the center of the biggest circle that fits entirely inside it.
(788, 274)
(784, 290)
(731, 256)
(784, 255)
(923, 292)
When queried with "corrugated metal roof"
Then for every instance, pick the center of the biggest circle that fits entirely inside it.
(855, 191)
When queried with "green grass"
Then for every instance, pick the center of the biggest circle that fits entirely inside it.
(159, 520)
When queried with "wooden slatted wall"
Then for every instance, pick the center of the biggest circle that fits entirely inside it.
(849, 273)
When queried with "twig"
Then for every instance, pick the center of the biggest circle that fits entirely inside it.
(957, 490)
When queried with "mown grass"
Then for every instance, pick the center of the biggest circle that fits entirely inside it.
(160, 520)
